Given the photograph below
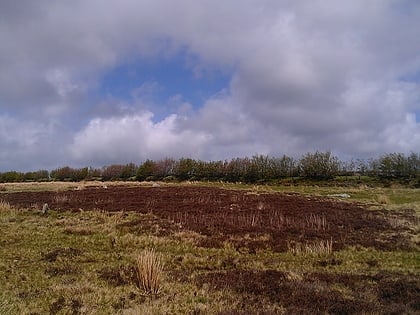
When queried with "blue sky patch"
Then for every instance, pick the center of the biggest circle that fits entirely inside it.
(158, 80)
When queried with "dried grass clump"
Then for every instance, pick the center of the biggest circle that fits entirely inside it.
(109, 220)
(150, 271)
(317, 248)
(5, 206)
(6, 210)
(383, 199)
(317, 222)
(60, 199)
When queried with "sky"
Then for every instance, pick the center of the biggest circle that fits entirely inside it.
(94, 83)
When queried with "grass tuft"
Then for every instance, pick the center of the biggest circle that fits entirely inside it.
(317, 248)
(150, 271)
(317, 222)
(7, 212)
(5, 206)
(383, 199)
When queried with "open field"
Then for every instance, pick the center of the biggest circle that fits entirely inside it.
(236, 250)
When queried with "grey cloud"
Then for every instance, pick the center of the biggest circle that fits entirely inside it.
(31, 145)
(306, 75)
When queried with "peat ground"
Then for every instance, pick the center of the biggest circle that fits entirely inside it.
(246, 219)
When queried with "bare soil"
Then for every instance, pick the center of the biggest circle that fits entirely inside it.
(247, 220)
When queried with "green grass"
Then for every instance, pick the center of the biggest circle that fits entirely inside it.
(76, 261)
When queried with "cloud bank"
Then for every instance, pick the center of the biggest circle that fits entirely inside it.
(302, 76)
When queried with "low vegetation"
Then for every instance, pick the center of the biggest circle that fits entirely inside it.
(182, 250)
(321, 168)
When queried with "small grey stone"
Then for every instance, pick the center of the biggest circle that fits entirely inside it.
(339, 195)
(45, 208)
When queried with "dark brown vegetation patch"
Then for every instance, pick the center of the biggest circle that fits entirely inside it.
(57, 305)
(66, 269)
(119, 276)
(69, 252)
(319, 293)
(74, 306)
(236, 216)
(149, 224)
(401, 291)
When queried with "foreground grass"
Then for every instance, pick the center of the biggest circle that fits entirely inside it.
(85, 263)
(73, 262)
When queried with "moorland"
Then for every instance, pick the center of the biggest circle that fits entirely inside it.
(211, 248)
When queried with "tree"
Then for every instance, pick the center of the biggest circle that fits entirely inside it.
(282, 167)
(260, 168)
(413, 162)
(185, 169)
(128, 171)
(12, 176)
(94, 173)
(319, 165)
(146, 171)
(165, 168)
(112, 172)
(398, 166)
(362, 166)
(65, 173)
(42, 175)
(235, 170)
(80, 174)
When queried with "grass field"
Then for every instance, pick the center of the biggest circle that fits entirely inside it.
(89, 261)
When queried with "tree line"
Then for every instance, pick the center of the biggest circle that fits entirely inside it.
(257, 169)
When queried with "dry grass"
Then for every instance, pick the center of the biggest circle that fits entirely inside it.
(322, 248)
(7, 304)
(60, 199)
(64, 186)
(150, 271)
(317, 222)
(5, 206)
(383, 199)
(109, 220)
(6, 210)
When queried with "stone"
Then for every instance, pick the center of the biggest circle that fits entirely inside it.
(45, 208)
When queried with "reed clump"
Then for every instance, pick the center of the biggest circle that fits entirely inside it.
(150, 271)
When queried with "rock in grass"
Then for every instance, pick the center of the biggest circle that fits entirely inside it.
(339, 195)
(45, 208)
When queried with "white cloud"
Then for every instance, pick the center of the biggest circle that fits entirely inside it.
(134, 138)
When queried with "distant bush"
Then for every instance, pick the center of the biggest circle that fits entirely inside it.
(259, 169)
(169, 179)
(319, 165)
